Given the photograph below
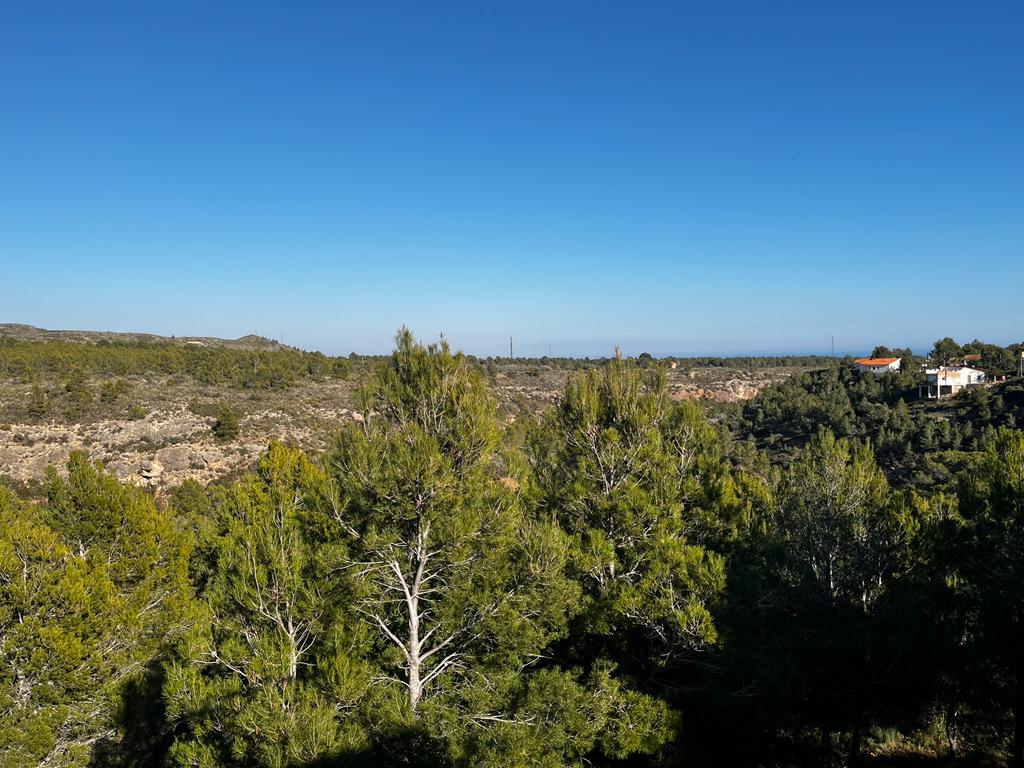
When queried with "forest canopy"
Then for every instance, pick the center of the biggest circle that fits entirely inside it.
(624, 579)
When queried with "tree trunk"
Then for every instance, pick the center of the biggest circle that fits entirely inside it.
(950, 727)
(415, 684)
(1018, 720)
(293, 652)
(412, 597)
(826, 745)
(855, 736)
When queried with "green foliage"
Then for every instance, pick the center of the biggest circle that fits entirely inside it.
(430, 390)
(639, 483)
(684, 363)
(246, 368)
(460, 586)
(946, 352)
(988, 573)
(38, 403)
(111, 391)
(822, 594)
(792, 410)
(227, 425)
(616, 582)
(78, 394)
(619, 465)
(135, 412)
(995, 360)
(917, 443)
(92, 588)
(269, 676)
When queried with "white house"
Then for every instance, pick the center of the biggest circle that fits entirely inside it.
(947, 380)
(877, 365)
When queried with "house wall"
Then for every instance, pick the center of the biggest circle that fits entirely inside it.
(878, 370)
(948, 383)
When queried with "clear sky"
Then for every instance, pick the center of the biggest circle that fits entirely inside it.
(678, 178)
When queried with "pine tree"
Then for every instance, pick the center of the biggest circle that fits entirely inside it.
(227, 426)
(92, 587)
(988, 561)
(271, 676)
(38, 402)
(625, 471)
(844, 550)
(638, 482)
(463, 588)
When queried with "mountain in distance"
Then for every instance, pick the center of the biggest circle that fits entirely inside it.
(22, 332)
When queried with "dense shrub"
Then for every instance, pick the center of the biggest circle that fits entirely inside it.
(228, 425)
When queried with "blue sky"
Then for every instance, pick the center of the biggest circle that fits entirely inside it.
(674, 177)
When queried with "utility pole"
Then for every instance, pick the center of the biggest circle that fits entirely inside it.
(833, 345)
(510, 352)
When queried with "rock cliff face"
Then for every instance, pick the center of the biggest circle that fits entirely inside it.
(723, 385)
(160, 451)
(728, 392)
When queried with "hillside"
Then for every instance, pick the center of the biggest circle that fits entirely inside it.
(22, 332)
(147, 411)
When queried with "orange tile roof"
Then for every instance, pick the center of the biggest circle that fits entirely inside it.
(876, 361)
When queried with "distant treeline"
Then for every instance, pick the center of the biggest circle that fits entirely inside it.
(251, 369)
(994, 359)
(279, 367)
(647, 360)
(767, 361)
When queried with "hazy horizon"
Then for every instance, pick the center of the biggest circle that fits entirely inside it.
(578, 349)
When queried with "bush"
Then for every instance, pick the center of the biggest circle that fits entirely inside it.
(227, 426)
(78, 395)
(110, 391)
(38, 403)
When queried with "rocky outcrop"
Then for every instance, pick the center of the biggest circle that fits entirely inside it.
(161, 451)
(728, 392)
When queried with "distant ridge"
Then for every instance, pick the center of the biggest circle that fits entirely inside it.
(22, 332)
